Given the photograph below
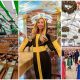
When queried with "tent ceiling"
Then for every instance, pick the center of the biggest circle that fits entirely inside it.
(8, 5)
(73, 22)
(48, 6)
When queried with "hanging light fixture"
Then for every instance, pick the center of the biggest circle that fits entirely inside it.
(0, 25)
(63, 40)
(2, 20)
(69, 6)
(75, 37)
(78, 30)
(70, 40)
(11, 21)
(65, 29)
(64, 35)
(78, 44)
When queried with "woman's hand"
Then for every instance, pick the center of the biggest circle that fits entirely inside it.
(22, 34)
(43, 39)
(59, 40)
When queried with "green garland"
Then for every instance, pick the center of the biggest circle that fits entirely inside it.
(58, 25)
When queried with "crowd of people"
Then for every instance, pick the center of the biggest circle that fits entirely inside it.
(68, 58)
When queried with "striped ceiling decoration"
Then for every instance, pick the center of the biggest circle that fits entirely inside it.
(16, 6)
(9, 12)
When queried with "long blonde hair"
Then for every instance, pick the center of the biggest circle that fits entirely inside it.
(35, 28)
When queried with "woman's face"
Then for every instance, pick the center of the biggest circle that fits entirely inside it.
(40, 24)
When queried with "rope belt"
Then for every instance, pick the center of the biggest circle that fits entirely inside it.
(40, 49)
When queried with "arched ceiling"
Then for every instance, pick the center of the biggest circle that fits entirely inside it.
(73, 22)
(48, 6)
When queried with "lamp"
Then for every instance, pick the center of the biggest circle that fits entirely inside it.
(65, 29)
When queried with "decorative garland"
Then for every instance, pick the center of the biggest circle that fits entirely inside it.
(69, 6)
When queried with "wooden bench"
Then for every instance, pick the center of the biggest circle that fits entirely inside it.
(4, 47)
(1, 68)
(3, 62)
(9, 73)
(2, 73)
(3, 57)
(13, 63)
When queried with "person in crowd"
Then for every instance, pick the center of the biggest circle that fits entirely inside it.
(2, 30)
(78, 69)
(63, 68)
(76, 55)
(69, 60)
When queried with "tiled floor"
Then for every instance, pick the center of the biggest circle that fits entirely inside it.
(71, 73)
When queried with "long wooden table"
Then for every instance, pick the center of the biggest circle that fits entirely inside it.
(25, 62)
